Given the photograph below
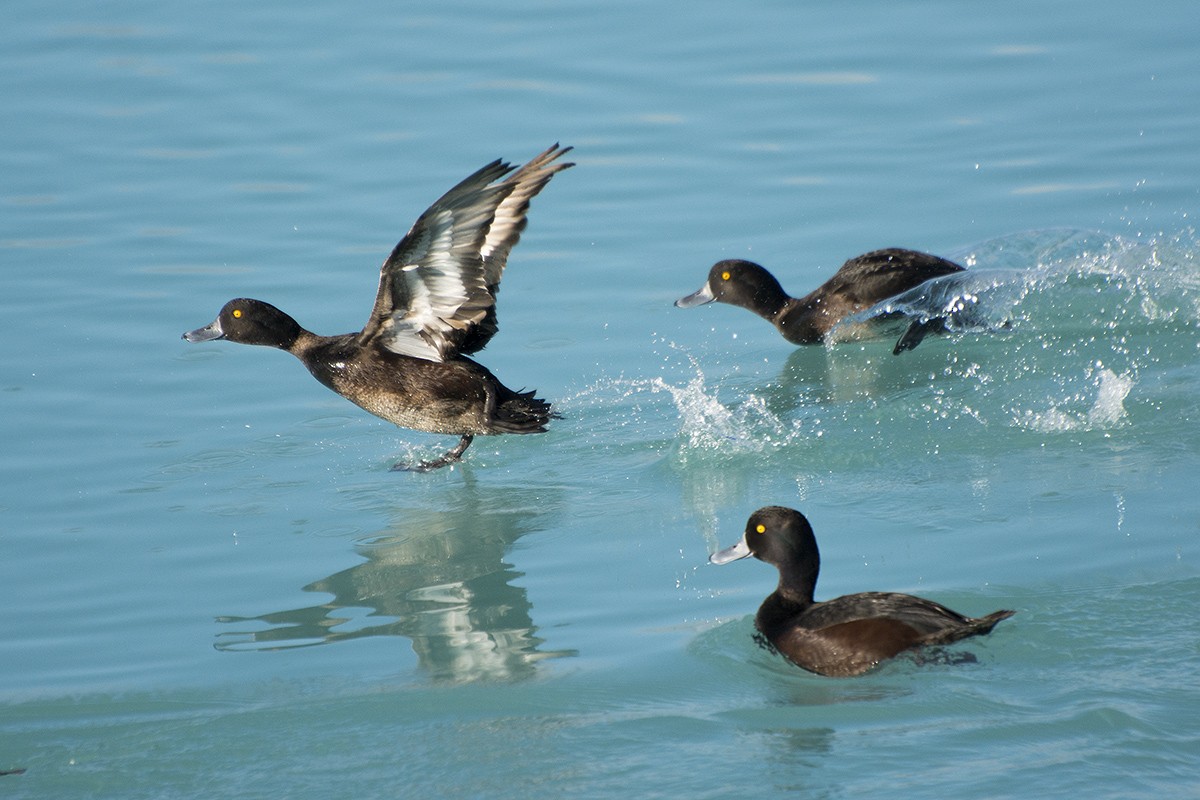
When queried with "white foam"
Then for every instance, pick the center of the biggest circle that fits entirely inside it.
(1106, 411)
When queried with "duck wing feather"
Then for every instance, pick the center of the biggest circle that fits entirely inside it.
(437, 289)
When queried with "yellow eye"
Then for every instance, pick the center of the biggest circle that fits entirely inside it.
(761, 529)
(237, 313)
(724, 276)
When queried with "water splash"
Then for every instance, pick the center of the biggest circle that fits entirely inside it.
(703, 424)
(1106, 410)
(968, 302)
(1043, 281)
(706, 424)
(1084, 318)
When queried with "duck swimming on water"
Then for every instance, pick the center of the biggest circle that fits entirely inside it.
(436, 304)
(847, 635)
(861, 282)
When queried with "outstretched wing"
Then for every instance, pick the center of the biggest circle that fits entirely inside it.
(510, 218)
(437, 289)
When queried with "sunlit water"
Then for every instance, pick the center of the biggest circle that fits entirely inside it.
(214, 587)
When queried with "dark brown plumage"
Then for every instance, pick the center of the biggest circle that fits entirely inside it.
(861, 282)
(847, 635)
(436, 303)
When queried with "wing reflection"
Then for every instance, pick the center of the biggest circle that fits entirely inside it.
(439, 579)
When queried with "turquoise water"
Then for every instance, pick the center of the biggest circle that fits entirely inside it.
(215, 588)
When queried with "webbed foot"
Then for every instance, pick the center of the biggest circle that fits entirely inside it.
(441, 461)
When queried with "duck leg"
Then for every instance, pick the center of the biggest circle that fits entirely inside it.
(449, 458)
(917, 331)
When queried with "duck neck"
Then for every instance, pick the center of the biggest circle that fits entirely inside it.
(769, 300)
(798, 585)
(798, 570)
(779, 612)
(805, 322)
(303, 341)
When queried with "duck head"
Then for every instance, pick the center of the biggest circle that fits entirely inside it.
(739, 283)
(249, 321)
(783, 538)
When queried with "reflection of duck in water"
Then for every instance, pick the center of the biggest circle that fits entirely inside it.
(847, 635)
(436, 304)
(440, 580)
(861, 282)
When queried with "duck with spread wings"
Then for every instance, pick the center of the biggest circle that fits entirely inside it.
(436, 305)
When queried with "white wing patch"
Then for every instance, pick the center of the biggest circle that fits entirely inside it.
(436, 287)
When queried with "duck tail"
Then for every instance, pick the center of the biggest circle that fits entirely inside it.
(968, 626)
(985, 624)
(521, 412)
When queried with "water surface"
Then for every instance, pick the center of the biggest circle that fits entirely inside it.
(216, 588)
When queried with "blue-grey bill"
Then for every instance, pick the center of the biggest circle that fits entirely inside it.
(206, 334)
(739, 550)
(698, 298)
